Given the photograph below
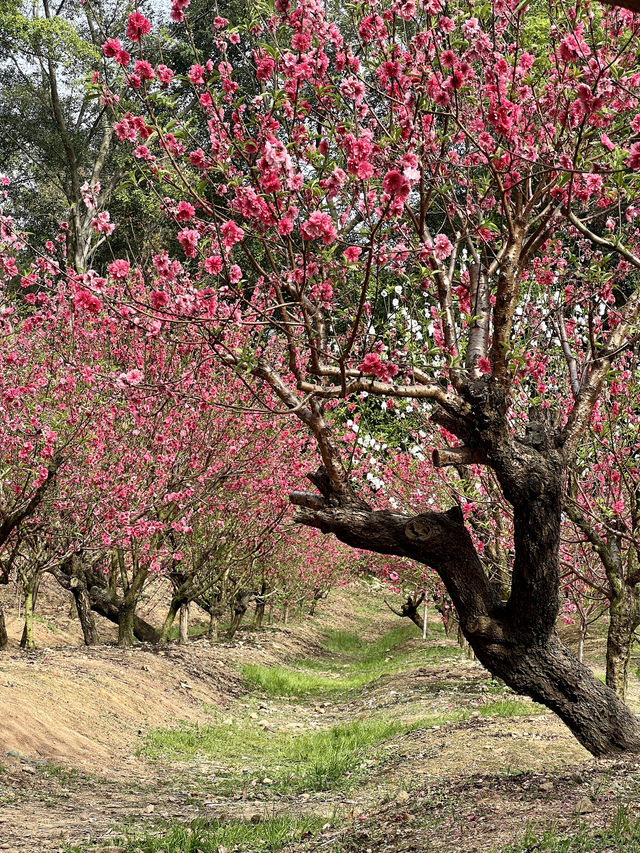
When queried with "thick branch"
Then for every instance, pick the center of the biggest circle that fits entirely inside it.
(458, 456)
(436, 539)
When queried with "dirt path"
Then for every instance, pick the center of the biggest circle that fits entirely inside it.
(469, 761)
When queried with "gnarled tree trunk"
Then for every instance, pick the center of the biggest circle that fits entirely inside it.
(515, 640)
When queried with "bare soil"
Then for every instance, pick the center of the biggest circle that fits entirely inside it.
(72, 719)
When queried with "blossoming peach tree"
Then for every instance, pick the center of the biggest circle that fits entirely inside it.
(431, 205)
(129, 457)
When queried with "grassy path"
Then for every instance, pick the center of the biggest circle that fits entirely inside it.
(319, 741)
(373, 742)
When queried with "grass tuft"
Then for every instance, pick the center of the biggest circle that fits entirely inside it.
(208, 836)
(330, 759)
(348, 664)
(622, 834)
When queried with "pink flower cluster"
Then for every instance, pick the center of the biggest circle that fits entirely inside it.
(372, 366)
(319, 226)
(137, 26)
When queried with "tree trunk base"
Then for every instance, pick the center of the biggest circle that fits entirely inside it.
(551, 675)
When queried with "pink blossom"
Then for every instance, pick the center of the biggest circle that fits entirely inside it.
(165, 75)
(353, 89)
(372, 365)
(633, 160)
(235, 274)
(285, 226)
(319, 225)
(188, 239)
(85, 300)
(119, 269)
(101, 223)
(144, 70)
(352, 254)
(177, 9)
(265, 67)
(608, 144)
(131, 377)
(395, 184)
(185, 212)
(111, 48)
(442, 247)
(137, 26)
(196, 75)
(213, 264)
(232, 234)
(484, 365)
(158, 299)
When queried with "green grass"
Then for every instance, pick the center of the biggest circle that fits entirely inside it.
(324, 760)
(195, 631)
(331, 759)
(284, 681)
(49, 625)
(348, 663)
(623, 834)
(209, 836)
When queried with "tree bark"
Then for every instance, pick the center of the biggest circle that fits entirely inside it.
(409, 609)
(515, 641)
(85, 615)
(167, 625)
(238, 609)
(214, 621)
(126, 616)
(78, 586)
(103, 604)
(259, 614)
(4, 638)
(623, 593)
(623, 620)
(183, 637)
(261, 603)
(28, 641)
(582, 630)
(103, 599)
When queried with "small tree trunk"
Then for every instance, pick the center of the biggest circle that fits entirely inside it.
(236, 621)
(259, 614)
(183, 638)
(450, 625)
(167, 625)
(424, 620)
(28, 640)
(285, 613)
(4, 639)
(270, 619)
(125, 624)
(82, 603)
(582, 635)
(214, 621)
(622, 623)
